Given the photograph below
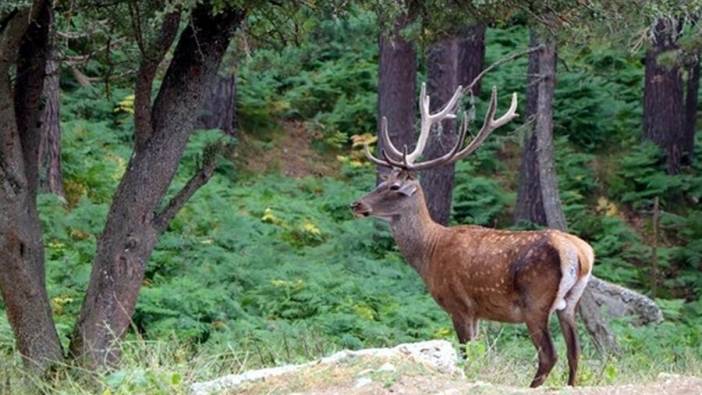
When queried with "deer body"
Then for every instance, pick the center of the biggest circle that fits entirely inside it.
(479, 273)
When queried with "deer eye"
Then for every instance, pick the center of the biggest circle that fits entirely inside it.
(394, 187)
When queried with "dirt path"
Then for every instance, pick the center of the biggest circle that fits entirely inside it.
(289, 152)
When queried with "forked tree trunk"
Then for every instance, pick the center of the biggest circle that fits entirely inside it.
(134, 221)
(451, 62)
(50, 175)
(664, 115)
(24, 42)
(397, 84)
(219, 108)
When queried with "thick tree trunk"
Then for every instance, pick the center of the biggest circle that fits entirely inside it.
(397, 85)
(442, 80)
(451, 62)
(50, 176)
(218, 110)
(530, 206)
(663, 97)
(24, 39)
(691, 98)
(133, 223)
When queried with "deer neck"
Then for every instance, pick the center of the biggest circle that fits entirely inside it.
(416, 234)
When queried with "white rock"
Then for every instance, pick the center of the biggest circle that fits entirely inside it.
(362, 382)
(437, 354)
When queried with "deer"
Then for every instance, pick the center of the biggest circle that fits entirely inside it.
(473, 272)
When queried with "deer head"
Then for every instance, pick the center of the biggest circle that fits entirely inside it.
(400, 193)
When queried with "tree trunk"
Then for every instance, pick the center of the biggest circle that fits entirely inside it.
(539, 203)
(451, 62)
(50, 176)
(691, 97)
(397, 85)
(543, 129)
(530, 206)
(663, 97)
(24, 40)
(219, 107)
(134, 222)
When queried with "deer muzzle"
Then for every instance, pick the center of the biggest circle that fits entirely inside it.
(360, 209)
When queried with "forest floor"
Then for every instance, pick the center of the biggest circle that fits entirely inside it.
(417, 368)
(289, 152)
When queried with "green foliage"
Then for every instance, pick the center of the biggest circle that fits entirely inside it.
(329, 80)
(477, 199)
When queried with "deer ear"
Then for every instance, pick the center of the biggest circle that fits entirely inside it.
(408, 189)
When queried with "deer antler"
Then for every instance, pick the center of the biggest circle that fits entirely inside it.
(392, 158)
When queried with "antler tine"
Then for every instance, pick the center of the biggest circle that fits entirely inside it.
(509, 115)
(489, 125)
(392, 161)
(446, 158)
(387, 142)
(375, 160)
(428, 119)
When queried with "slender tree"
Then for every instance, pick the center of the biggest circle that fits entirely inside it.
(529, 206)
(451, 61)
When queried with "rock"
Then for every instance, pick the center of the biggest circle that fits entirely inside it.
(362, 382)
(436, 354)
(387, 367)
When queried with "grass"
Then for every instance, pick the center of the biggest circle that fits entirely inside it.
(502, 355)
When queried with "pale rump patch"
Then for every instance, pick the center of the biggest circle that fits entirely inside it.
(569, 275)
(577, 259)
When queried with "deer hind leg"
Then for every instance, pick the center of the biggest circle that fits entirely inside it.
(540, 336)
(567, 320)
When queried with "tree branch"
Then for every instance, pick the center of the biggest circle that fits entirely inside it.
(197, 181)
(32, 56)
(506, 59)
(152, 55)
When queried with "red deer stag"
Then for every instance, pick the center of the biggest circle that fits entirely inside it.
(474, 272)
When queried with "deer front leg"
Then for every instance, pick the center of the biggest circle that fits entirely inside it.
(466, 329)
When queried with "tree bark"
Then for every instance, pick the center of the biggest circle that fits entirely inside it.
(529, 206)
(663, 97)
(451, 61)
(539, 203)
(397, 86)
(50, 175)
(543, 129)
(219, 108)
(24, 42)
(134, 222)
(691, 98)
